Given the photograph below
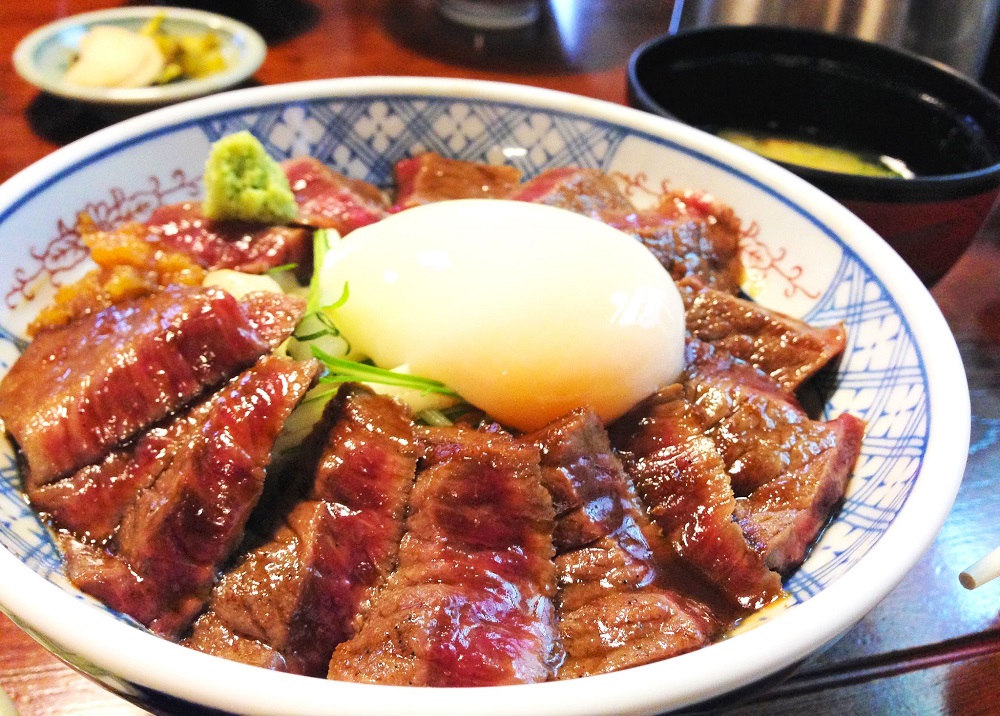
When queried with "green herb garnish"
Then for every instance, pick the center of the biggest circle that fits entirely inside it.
(342, 370)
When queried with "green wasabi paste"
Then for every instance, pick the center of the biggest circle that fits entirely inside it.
(242, 182)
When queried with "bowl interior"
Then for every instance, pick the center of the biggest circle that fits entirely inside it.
(805, 256)
(836, 90)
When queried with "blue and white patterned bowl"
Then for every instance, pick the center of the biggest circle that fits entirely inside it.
(806, 254)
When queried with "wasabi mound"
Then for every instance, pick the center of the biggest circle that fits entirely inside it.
(242, 182)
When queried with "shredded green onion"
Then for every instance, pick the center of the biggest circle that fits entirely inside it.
(342, 370)
(321, 245)
(326, 328)
(280, 269)
(434, 418)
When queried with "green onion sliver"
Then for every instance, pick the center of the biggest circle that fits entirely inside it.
(342, 371)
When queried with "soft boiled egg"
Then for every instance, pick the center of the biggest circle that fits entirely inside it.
(527, 311)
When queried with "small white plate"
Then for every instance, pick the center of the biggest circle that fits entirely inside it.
(43, 57)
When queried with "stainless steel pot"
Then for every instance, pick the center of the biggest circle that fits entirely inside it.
(956, 32)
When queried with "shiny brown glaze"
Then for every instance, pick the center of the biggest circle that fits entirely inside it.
(302, 592)
(471, 602)
(178, 533)
(81, 389)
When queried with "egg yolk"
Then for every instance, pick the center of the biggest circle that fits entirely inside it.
(527, 311)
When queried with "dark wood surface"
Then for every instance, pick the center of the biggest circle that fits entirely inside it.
(930, 648)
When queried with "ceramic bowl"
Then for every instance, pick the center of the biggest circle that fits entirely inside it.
(805, 255)
(852, 93)
(43, 56)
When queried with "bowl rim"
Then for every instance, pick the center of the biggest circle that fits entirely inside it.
(846, 186)
(120, 651)
(251, 47)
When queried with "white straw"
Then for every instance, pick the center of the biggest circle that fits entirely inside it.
(982, 571)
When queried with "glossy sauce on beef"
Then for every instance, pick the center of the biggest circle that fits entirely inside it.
(179, 531)
(328, 200)
(513, 559)
(471, 601)
(682, 479)
(240, 246)
(290, 601)
(79, 390)
(91, 502)
(618, 605)
(787, 470)
(789, 351)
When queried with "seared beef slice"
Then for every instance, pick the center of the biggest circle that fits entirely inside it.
(91, 502)
(471, 602)
(691, 235)
(163, 562)
(291, 601)
(583, 477)
(788, 350)
(787, 470)
(237, 245)
(81, 389)
(614, 606)
(682, 480)
(590, 192)
(328, 200)
(430, 177)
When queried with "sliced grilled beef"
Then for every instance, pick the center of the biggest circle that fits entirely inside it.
(789, 471)
(299, 595)
(273, 315)
(91, 502)
(682, 479)
(223, 642)
(615, 611)
(788, 350)
(430, 177)
(586, 191)
(237, 245)
(81, 389)
(691, 236)
(783, 517)
(163, 561)
(614, 607)
(329, 200)
(584, 478)
(471, 601)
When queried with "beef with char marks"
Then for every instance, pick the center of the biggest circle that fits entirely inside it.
(81, 389)
(616, 605)
(163, 561)
(682, 480)
(788, 350)
(787, 470)
(289, 602)
(471, 601)
(691, 235)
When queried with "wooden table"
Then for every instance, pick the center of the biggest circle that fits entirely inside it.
(930, 648)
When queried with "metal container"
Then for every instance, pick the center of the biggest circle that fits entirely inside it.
(956, 32)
